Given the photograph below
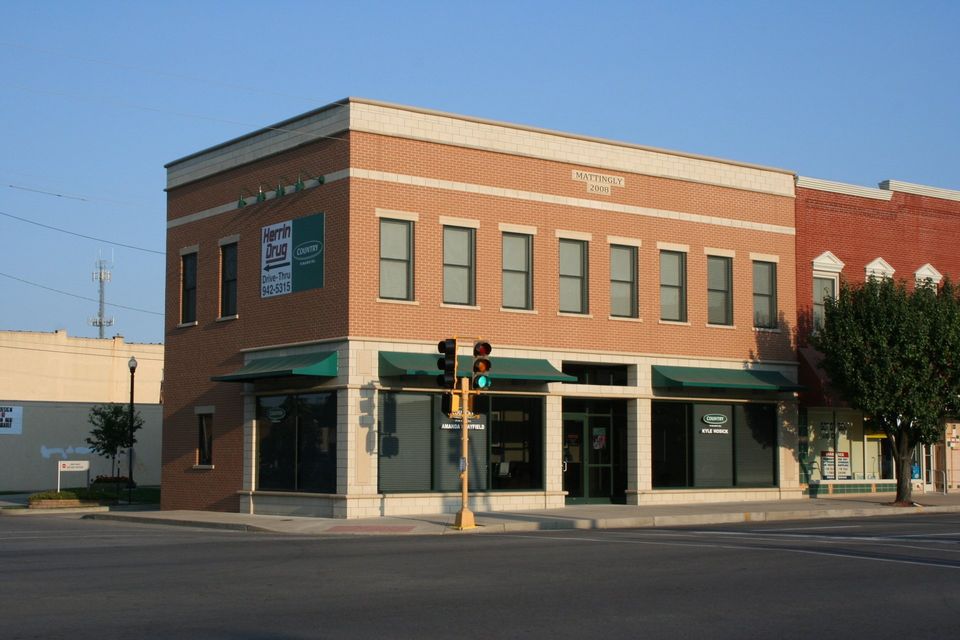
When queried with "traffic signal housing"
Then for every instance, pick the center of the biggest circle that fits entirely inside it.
(450, 404)
(447, 363)
(481, 366)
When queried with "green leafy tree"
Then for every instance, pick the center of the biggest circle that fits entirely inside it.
(895, 355)
(111, 430)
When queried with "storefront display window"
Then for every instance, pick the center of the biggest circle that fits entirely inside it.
(420, 446)
(841, 445)
(708, 445)
(297, 443)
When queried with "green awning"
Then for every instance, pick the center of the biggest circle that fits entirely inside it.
(308, 364)
(703, 377)
(397, 363)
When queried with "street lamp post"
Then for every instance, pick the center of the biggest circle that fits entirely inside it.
(132, 363)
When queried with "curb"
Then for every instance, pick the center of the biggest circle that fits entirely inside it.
(53, 511)
(549, 524)
(229, 526)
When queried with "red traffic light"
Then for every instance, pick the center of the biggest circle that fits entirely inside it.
(481, 365)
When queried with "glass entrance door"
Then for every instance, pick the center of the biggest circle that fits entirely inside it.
(587, 458)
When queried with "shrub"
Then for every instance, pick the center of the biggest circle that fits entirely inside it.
(111, 480)
(53, 495)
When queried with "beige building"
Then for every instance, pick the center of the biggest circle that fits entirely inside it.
(48, 384)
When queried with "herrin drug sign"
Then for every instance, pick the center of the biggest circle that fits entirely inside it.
(291, 256)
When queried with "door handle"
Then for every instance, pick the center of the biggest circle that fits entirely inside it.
(564, 466)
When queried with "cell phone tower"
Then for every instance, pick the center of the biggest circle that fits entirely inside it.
(102, 275)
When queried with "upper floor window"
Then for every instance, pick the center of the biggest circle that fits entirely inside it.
(826, 282)
(396, 259)
(458, 265)
(719, 290)
(188, 288)
(824, 288)
(764, 294)
(573, 276)
(673, 286)
(623, 281)
(517, 271)
(228, 280)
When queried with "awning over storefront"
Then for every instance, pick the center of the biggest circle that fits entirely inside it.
(396, 363)
(307, 364)
(703, 377)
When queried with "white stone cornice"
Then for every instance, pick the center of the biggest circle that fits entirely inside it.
(840, 187)
(369, 116)
(920, 190)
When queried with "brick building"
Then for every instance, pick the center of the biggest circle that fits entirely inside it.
(850, 232)
(639, 303)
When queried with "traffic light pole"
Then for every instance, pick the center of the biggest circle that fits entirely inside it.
(465, 519)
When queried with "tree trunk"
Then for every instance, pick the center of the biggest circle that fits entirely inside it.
(903, 452)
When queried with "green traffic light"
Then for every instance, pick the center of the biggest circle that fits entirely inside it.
(481, 381)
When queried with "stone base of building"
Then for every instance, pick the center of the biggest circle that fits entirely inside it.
(322, 505)
(815, 489)
(699, 496)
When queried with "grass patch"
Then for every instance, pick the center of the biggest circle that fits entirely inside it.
(102, 492)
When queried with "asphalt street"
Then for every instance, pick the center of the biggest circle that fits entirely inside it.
(880, 577)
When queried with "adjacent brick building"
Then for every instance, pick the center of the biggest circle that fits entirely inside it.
(848, 232)
(640, 302)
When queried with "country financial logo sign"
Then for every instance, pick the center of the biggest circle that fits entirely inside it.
(714, 418)
(291, 256)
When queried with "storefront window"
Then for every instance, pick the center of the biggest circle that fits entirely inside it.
(516, 443)
(714, 445)
(297, 443)
(671, 445)
(841, 445)
(420, 446)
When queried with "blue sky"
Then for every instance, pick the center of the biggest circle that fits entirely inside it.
(98, 96)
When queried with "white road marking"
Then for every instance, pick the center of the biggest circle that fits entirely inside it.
(829, 554)
(844, 526)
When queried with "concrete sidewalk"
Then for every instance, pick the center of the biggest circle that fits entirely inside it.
(572, 517)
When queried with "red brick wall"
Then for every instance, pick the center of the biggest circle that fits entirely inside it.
(907, 231)
(212, 347)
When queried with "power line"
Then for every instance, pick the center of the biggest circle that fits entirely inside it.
(81, 197)
(140, 358)
(48, 193)
(80, 235)
(73, 295)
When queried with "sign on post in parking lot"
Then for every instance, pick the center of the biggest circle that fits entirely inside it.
(71, 465)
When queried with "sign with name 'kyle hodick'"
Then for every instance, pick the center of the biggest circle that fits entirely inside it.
(291, 256)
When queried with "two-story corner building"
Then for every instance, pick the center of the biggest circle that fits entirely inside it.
(639, 303)
(848, 232)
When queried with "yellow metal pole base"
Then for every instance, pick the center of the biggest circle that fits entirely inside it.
(464, 520)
